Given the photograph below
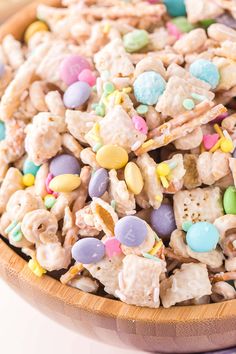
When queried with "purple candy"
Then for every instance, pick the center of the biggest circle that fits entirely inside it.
(234, 153)
(163, 221)
(227, 20)
(88, 250)
(2, 70)
(71, 67)
(131, 231)
(63, 164)
(76, 94)
(98, 183)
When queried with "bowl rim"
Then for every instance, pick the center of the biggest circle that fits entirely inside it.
(16, 265)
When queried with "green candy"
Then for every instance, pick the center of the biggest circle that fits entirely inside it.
(182, 24)
(30, 167)
(49, 202)
(229, 200)
(135, 40)
(207, 23)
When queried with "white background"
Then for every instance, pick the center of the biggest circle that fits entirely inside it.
(23, 330)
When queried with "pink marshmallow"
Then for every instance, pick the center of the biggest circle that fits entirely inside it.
(140, 124)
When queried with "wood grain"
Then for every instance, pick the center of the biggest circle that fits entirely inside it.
(176, 330)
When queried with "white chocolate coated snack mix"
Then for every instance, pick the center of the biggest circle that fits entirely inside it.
(117, 148)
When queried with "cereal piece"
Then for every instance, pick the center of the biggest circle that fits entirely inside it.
(118, 191)
(105, 216)
(191, 177)
(232, 166)
(13, 51)
(190, 141)
(12, 147)
(202, 10)
(64, 200)
(212, 167)
(191, 42)
(71, 145)
(40, 179)
(201, 204)
(86, 120)
(37, 93)
(221, 33)
(106, 271)
(85, 284)
(227, 69)
(176, 177)
(222, 291)
(149, 64)
(114, 59)
(54, 103)
(82, 195)
(52, 256)
(190, 281)
(88, 157)
(227, 49)
(85, 220)
(230, 264)
(132, 289)
(39, 226)
(152, 186)
(11, 183)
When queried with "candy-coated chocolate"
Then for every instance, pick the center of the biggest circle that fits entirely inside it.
(65, 183)
(229, 200)
(28, 180)
(88, 250)
(34, 27)
(148, 87)
(87, 75)
(131, 231)
(140, 124)
(202, 237)
(76, 94)
(49, 201)
(2, 130)
(173, 30)
(133, 178)
(163, 221)
(206, 71)
(135, 40)
(30, 167)
(98, 183)
(112, 247)
(71, 67)
(112, 156)
(175, 7)
(64, 164)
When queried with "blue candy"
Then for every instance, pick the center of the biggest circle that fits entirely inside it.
(30, 167)
(2, 130)
(148, 87)
(175, 7)
(202, 237)
(206, 71)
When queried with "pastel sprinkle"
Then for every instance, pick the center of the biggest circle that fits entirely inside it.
(17, 236)
(198, 97)
(49, 201)
(100, 110)
(186, 225)
(188, 104)
(142, 109)
(113, 204)
(149, 256)
(108, 87)
(36, 268)
(11, 226)
(112, 247)
(97, 147)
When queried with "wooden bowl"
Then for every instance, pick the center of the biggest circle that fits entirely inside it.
(175, 330)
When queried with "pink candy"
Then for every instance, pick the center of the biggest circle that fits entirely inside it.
(220, 118)
(210, 140)
(87, 76)
(173, 30)
(140, 124)
(48, 180)
(71, 67)
(112, 247)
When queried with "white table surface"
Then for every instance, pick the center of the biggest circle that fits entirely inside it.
(24, 330)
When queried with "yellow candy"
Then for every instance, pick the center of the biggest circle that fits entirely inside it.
(133, 178)
(111, 156)
(163, 169)
(28, 180)
(65, 183)
(36, 268)
(36, 26)
(226, 145)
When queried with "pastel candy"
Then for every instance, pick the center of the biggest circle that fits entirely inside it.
(112, 247)
(64, 183)
(64, 164)
(229, 200)
(133, 178)
(135, 40)
(2, 69)
(182, 24)
(87, 76)
(112, 156)
(71, 67)
(98, 183)
(226, 20)
(148, 87)
(30, 167)
(131, 231)
(76, 94)
(88, 250)
(34, 27)
(163, 221)
(2, 130)
(202, 237)
(206, 71)
(209, 140)
(175, 7)
(173, 30)
(140, 124)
